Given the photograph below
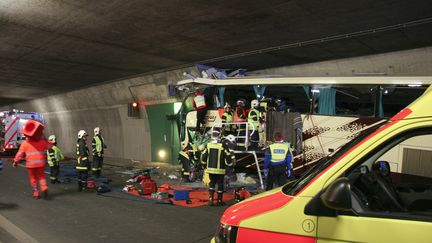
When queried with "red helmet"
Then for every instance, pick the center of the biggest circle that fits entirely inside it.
(278, 136)
(31, 128)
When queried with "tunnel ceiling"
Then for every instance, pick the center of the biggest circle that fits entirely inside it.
(52, 46)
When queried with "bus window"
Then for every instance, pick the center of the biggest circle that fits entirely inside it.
(233, 93)
(355, 100)
(395, 98)
(294, 95)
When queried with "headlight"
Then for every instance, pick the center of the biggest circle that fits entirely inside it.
(226, 234)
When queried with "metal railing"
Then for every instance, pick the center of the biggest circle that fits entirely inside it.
(238, 136)
(246, 142)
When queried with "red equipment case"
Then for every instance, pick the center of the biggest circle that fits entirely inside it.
(148, 186)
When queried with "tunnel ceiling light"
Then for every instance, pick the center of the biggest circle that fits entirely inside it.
(134, 104)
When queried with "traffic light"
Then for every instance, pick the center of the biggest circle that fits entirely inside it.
(133, 109)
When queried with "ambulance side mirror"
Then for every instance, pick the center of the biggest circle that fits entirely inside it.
(336, 197)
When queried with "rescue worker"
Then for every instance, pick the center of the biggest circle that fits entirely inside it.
(54, 156)
(227, 117)
(280, 105)
(240, 115)
(83, 165)
(98, 146)
(253, 124)
(33, 151)
(278, 163)
(184, 159)
(217, 157)
(200, 107)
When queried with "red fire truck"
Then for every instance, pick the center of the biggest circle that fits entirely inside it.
(11, 123)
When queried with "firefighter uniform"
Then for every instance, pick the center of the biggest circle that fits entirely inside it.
(54, 156)
(185, 160)
(83, 165)
(217, 157)
(33, 151)
(253, 124)
(278, 164)
(98, 146)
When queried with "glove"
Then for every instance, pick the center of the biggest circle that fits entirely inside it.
(266, 171)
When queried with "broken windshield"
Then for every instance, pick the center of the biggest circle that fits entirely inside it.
(323, 163)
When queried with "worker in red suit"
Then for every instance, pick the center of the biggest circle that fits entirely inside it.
(33, 151)
(200, 106)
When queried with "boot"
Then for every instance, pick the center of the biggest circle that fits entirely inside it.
(211, 197)
(220, 199)
(36, 194)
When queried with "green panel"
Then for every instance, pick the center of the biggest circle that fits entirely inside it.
(163, 133)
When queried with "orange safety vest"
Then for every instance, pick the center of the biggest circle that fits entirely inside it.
(240, 119)
(34, 153)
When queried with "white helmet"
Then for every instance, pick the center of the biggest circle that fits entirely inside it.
(52, 138)
(254, 104)
(231, 138)
(241, 102)
(227, 105)
(96, 131)
(82, 134)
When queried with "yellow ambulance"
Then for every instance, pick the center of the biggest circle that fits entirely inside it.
(376, 188)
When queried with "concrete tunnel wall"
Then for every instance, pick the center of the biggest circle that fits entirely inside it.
(106, 106)
(128, 139)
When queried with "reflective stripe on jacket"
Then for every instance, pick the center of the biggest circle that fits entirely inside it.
(217, 156)
(34, 153)
(278, 152)
(54, 155)
(199, 102)
(227, 117)
(82, 154)
(97, 145)
(253, 119)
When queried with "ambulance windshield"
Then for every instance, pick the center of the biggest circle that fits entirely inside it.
(323, 163)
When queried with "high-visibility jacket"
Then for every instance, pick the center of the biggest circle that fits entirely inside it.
(34, 153)
(217, 157)
(54, 155)
(199, 102)
(184, 160)
(98, 145)
(279, 154)
(227, 117)
(253, 119)
(82, 153)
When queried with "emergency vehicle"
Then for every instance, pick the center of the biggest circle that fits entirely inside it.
(11, 123)
(376, 188)
(359, 103)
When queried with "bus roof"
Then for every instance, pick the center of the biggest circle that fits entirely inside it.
(390, 80)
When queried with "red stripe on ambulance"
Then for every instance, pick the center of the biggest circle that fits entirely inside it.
(246, 235)
(241, 211)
